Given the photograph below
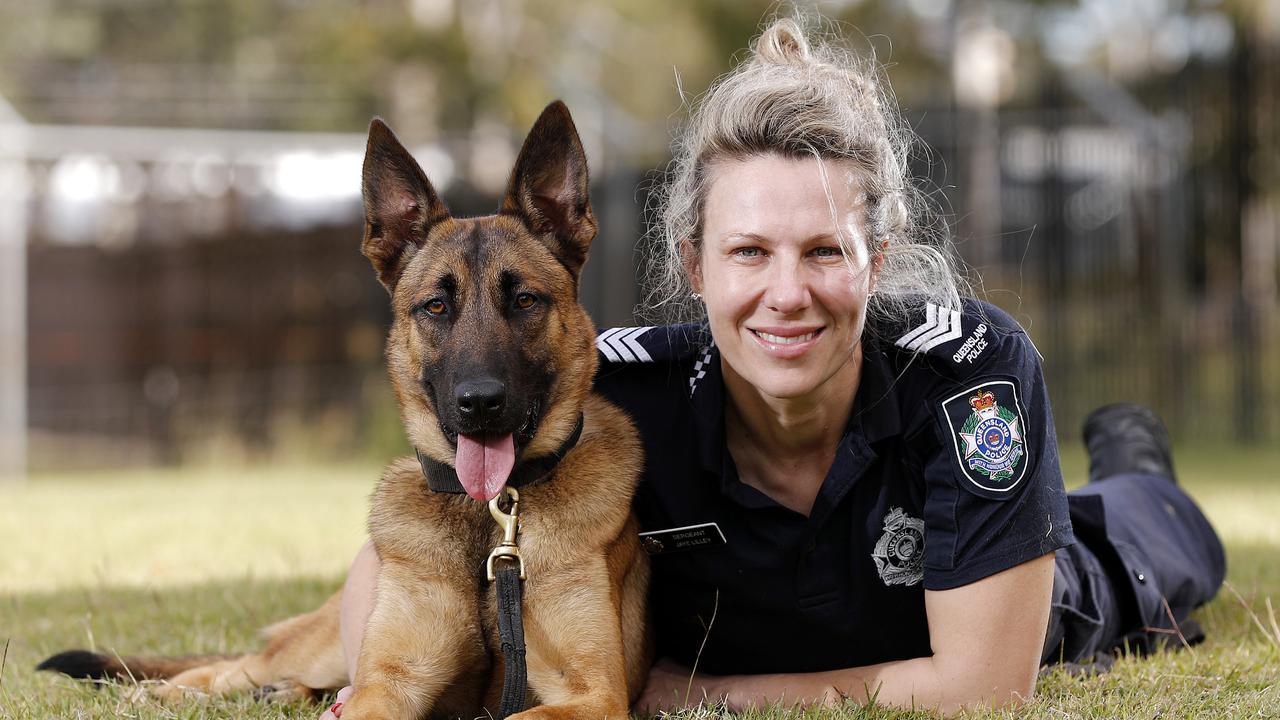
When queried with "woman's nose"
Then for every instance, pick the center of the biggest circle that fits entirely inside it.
(788, 290)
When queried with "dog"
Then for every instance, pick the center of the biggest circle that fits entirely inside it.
(492, 359)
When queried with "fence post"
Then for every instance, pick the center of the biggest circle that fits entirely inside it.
(1056, 259)
(14, 194)
(1240, 153)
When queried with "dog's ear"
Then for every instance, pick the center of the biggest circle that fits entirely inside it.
(548, 187)
(400, 206)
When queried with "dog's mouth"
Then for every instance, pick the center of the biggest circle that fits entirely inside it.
(484, 459)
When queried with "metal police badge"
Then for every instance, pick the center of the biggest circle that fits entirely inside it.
(899, 554)
(987, 426)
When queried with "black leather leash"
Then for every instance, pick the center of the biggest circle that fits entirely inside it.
(515, 675)
(507, 575)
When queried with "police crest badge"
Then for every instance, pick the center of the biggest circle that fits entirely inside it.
(899, 553)
(987, 428)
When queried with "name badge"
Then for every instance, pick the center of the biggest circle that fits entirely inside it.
(692, 537)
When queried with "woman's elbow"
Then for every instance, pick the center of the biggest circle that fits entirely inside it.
(1012, 693)
(1014, 698)
(1005, 693)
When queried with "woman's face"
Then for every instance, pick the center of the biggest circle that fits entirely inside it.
(786, 303)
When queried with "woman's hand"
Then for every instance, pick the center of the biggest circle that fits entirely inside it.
(335, 710)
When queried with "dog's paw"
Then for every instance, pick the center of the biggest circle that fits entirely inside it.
(166, 691)
(283, 691)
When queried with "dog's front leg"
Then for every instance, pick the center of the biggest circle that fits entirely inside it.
(574, 637)
(421, 638)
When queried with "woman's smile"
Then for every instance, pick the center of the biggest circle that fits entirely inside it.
(786, 343)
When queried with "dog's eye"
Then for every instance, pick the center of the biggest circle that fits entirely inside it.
(436, 307)
(525, 300)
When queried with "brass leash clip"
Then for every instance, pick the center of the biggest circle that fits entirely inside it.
(510, 524)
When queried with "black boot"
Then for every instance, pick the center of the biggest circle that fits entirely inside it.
(1126, 438)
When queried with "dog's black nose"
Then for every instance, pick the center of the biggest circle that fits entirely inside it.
(481, 401)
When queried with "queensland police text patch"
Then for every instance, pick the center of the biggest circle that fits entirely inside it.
(987, 429)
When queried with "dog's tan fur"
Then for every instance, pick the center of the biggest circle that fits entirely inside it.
(431, 645)
(584, 601)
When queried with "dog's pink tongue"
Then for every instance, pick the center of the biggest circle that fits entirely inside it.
(484, 463)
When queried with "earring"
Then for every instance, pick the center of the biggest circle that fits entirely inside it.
(696, 296)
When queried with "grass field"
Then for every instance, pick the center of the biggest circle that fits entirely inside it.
(197, 560)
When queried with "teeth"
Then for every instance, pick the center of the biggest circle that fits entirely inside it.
(779, 340)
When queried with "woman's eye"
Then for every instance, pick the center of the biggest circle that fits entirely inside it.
(524, 301)
(747, 252)
(827, 252)
(435, 307)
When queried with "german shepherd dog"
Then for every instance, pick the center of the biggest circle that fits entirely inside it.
(492, 360)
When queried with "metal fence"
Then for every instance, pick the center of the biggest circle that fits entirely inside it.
(1135, 245)
(1139, 247)
(179, 308)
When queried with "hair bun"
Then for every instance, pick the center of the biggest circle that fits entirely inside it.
(783, 43)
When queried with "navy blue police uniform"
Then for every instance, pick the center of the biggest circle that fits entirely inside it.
(947, 473)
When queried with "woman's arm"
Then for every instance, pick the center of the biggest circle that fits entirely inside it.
(987, 638)
(357, 605)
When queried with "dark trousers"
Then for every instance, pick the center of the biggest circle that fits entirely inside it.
(1145, 557)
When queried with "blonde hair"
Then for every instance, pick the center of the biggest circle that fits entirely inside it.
(801, 94)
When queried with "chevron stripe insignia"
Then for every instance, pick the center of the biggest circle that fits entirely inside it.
(622, 344)
(940, 325)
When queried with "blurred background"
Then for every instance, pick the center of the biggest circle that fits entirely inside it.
(180, 278)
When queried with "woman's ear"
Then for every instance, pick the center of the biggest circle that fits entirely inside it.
(691, 261)
(877, 263)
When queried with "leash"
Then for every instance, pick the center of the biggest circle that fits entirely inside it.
(515, 675)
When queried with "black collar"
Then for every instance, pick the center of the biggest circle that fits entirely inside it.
(444, 478)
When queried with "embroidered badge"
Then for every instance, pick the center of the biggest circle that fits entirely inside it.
(899, 553)
(972, 347)
(987, 428)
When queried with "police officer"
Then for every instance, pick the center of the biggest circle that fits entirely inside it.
(852, 485)
(743, 585)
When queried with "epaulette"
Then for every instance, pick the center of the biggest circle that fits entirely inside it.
(958, 338)
(652, 344)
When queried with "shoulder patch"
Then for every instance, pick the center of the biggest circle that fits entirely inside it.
(987, 428)
(659, 344)
(623, 344)
(940, 325)
(963, 339)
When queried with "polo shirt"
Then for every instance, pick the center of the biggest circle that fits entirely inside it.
(947, 473)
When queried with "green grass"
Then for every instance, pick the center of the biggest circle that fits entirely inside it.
(198, 560)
